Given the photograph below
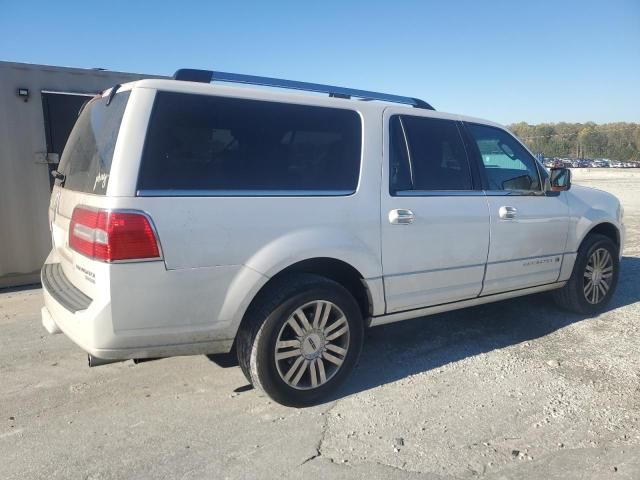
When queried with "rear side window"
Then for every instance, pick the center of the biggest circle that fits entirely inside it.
(435, 158)
(235, 146)
(86, 159)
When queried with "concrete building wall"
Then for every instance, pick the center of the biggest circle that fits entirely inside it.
(24, 175)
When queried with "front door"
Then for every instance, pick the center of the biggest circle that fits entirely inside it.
(528, 227)
(435, 219)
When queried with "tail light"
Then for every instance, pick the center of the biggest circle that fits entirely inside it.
(112, 235)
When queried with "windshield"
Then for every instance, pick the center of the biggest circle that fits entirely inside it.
(86, 160)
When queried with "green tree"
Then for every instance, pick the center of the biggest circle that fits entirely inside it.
(616, 141)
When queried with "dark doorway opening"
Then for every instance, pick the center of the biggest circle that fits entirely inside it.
(60, 113)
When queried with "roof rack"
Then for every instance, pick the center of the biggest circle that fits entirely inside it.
(207, 76)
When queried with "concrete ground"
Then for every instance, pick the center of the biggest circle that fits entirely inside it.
(514, 390)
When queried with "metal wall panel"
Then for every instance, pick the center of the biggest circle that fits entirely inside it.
(24, 174)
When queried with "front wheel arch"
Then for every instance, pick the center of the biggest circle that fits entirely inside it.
(571, 296)
(606, 229)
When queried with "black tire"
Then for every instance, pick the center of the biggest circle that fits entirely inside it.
(257, 337)
(572, 296)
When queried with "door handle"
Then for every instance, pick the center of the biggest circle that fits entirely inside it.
(401, 216)
(508, 213)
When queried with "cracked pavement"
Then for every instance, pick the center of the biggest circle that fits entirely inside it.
(513, 390)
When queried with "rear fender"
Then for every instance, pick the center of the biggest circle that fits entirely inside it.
(293, 248)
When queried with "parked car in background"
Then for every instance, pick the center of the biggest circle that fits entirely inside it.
(191, 218)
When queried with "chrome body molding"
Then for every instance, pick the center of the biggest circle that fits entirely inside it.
(445, 307)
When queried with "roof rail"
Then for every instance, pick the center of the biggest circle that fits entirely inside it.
(207, 76)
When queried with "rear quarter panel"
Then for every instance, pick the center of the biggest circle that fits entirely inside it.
(219, 251)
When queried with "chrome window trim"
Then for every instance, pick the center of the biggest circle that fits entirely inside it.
(406, 147)
(242, 193)
(514, 193)
(468, 193)
(439, 193)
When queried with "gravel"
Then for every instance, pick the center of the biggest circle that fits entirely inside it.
(514, 390)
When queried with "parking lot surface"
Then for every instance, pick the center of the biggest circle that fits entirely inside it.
(513, 390)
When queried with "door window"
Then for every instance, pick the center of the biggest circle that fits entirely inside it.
(507, 164)
(427, 154)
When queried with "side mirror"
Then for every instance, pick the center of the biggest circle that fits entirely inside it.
(560, 179)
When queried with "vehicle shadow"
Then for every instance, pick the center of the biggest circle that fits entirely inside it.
(395, 351)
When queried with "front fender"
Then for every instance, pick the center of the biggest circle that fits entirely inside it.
(588, 209)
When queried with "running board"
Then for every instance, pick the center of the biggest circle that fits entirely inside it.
(445, 307)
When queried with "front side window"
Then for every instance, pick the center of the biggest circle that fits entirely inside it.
(229, 145)
(507, 164)
(427, 154)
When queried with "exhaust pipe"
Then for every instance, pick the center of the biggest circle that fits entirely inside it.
(96, 362)
(136, 361)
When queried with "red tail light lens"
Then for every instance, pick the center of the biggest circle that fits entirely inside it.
(111, 236)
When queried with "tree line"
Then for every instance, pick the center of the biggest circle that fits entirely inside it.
(615, 141)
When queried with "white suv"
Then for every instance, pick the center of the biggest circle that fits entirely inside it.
(191, 218)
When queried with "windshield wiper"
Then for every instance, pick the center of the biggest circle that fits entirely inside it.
(112, 93)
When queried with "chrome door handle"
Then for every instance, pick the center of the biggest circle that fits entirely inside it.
(508, 213)
(401, 216)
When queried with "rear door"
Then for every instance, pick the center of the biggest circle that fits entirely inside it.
(528, 227)
(435, 219)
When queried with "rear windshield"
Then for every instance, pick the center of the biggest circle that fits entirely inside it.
(227, 146)
(86, 160)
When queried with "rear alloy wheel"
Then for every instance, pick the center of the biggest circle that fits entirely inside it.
(301, 339)
(594, 277)
(312, 345)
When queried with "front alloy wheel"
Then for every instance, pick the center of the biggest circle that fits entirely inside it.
(594, 277)
(598, 275)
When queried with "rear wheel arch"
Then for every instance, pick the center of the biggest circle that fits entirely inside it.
(328, 280)
(337, 270)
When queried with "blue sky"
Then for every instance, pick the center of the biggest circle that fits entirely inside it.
(535, 61)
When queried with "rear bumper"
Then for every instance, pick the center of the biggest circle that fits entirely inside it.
(48, 323)
(89, 324)
(59, 287)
